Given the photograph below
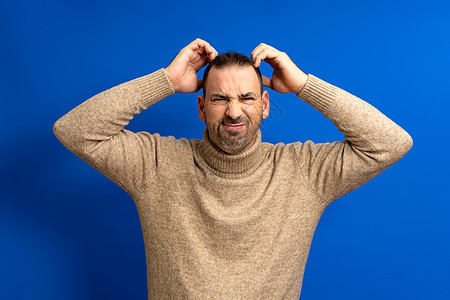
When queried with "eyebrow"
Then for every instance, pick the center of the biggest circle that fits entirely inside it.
(240, 96)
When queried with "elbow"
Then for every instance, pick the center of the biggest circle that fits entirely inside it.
(400, 147)
(62, 132)
(391, 150)
(405, 143)
(408, 142)
(58, 130)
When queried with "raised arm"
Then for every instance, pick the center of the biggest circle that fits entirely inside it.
(94, 130)
(372, 142)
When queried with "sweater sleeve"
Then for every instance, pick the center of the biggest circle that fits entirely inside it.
(372, 142)
(94, 131)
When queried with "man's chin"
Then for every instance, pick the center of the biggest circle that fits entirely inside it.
(232, 141)
(232, 134)
(234, 145)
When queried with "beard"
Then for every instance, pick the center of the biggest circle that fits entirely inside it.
(233, 141)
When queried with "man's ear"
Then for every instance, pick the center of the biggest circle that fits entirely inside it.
(265, 104)
(201, 108)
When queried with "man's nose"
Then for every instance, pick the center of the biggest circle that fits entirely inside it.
(234, 109)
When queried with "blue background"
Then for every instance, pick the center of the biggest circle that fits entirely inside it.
(67, 232)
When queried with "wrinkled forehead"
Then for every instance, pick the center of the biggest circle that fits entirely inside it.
(232, 81)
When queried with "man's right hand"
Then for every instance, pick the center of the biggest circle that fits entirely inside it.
(182, 71)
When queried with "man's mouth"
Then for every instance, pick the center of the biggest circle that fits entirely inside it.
(234, 126)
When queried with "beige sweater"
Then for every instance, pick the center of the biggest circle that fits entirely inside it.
(219, 226)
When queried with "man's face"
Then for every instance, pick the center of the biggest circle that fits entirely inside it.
(233, 107)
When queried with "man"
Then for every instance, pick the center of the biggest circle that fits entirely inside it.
(230, 217)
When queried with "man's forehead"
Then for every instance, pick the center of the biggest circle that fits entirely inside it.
(231, 79)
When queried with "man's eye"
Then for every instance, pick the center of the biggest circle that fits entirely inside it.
(219, 100)
(247, 99)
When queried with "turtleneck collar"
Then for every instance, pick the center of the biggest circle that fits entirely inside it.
(231, 165)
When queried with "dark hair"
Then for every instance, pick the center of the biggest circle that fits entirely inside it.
(230, 59)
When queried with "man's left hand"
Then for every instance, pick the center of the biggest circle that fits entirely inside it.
(286, 76)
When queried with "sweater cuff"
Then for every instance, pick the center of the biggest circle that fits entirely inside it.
(318, 93)
(154, 86)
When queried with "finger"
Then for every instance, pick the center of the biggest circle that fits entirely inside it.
(203, 48)
(208, 49)
(196, 44)
(267, 82)
(212, 54)
(256, 50)
(267, 54)
(199, 55)
(259, 49)
(215, 54)
(260, 56)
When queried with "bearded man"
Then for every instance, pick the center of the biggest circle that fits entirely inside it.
(230, 216)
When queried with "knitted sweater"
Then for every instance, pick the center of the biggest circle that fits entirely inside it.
(220, 226)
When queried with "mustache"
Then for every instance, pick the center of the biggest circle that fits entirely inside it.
(228, 120)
